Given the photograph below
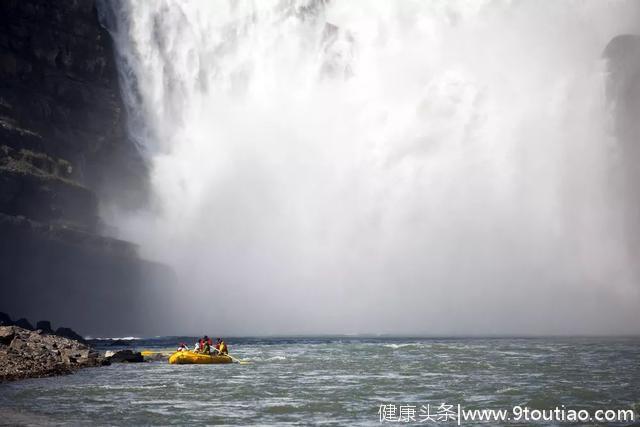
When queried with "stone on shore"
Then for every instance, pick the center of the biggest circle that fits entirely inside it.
(24, 323)
(29, 354)
(126, 356)
(5, 320)
(44, 326)
(70, 333)
(6, 335)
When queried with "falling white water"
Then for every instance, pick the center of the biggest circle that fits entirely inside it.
(379, 166)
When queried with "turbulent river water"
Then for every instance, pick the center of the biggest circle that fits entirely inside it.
(339, 381)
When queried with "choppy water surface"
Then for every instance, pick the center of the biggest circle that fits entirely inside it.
(339, 381)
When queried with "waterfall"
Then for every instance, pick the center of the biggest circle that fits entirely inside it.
(379, 166)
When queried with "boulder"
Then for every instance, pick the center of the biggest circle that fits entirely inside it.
(24, 324)
(5, 320)
(44, 326)
(80, 355)
(155, 357)
(19, 344)
(7, 333)
(29, 354)
(126, 356)
(70, 333)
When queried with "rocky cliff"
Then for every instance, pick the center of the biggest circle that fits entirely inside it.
(60, 98)
(64, 153)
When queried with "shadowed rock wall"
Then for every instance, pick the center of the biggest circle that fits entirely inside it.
(59, 94)
(63, 153)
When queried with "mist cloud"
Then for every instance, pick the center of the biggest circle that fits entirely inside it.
(380, 167)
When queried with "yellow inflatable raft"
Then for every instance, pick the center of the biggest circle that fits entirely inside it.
(189, 357)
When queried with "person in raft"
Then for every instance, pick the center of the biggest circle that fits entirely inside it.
(206, 345)
(183, 347)
(196, 348)
(221, 347)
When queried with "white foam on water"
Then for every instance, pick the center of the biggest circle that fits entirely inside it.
(398, 346)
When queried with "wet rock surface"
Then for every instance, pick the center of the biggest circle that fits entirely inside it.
(33, 354)
(126, 356)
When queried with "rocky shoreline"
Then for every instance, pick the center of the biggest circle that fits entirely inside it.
(28, 352)
(35, 354)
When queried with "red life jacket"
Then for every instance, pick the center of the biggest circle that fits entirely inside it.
(209, 341)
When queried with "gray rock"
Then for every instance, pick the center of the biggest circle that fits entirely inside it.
(26, 354)
(44, 326)
(24, 323)
(19, 344)
(126, 356)
(5, 320)
(6, 335)
(70, 333)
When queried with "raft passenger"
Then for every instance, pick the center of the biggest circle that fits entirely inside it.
(206, 345)
(223, 349)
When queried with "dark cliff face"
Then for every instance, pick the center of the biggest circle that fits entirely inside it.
(59, 94)
(63, 153)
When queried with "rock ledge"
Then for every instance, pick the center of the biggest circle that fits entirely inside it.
(33, 354)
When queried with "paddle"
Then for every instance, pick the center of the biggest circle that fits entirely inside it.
(235, 359)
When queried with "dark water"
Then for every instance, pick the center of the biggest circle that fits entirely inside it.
(340, 381)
